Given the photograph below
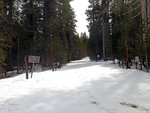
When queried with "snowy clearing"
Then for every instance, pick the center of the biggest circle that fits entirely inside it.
(80, 87)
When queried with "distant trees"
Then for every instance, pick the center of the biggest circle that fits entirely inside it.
(127, 23)
(116, 29)
(38, 27)
(85, 40)
(95, 29)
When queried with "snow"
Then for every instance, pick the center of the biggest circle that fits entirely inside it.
(81, 86)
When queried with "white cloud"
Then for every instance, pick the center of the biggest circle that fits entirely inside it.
(80, 8)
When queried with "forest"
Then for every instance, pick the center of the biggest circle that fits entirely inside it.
(118, 29)
(44, 28)
(49, 65)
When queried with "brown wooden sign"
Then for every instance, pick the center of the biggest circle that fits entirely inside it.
(137, 59)
(33, 59)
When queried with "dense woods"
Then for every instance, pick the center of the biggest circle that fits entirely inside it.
(44, 28)
(119, 30)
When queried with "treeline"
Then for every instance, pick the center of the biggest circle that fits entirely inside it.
(38, 27)
(118, 30)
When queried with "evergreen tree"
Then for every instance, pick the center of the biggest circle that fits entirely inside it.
(43, 28)
(85, 40)
(8, 31)
(114, 27)
(126, 30)
(32, 15)
(94, 14)
(2, 44)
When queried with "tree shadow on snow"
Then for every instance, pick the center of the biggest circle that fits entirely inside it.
(105, 92)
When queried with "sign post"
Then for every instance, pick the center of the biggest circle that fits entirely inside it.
(32, 70)
(127, 58)
(33, 60)
(52, 60)
(26, 66)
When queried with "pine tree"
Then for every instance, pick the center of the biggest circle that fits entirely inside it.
(39, 27)
(8, 31)
(125, 28)
(2, 41)
(95, 14)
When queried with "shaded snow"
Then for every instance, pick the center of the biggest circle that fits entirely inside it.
(80, 87)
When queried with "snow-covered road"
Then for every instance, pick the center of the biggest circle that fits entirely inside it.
(80, 87)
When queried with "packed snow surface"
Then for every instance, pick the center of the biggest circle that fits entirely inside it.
(81, 86)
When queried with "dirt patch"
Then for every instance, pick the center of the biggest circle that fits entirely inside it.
(134, 106)
(94, 102)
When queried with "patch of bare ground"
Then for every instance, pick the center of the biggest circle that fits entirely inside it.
(142, 108)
